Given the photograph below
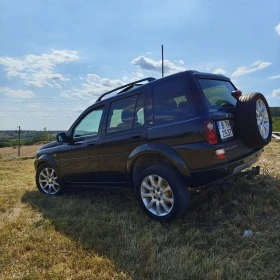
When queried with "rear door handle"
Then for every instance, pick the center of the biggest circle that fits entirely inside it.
(136, 137)
(91, 145)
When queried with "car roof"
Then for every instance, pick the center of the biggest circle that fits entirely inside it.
(137, 86)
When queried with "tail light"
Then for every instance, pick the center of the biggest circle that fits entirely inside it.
(210, 133)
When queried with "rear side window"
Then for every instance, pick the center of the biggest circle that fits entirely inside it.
(218, 93)
(126, 113)
(139, 118)
(171, 102)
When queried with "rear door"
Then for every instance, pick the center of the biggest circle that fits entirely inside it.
(222, 108)
(174, 121)
(221, 105)
(125, 130)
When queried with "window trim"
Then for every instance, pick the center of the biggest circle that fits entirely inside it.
(127, 129)
(79, 120)
(144, 110)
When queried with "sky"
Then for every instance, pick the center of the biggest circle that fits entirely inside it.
(58, 56)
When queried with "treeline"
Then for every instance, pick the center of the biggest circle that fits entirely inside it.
(10, 138)
(275, 111)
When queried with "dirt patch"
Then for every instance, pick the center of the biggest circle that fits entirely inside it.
(25, 151)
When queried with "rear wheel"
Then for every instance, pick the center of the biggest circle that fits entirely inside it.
(162, 193)
(47, 180)
(253, 120)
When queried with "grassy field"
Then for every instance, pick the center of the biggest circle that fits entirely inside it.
(102, 234)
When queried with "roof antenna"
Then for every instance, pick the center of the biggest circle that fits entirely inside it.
(162, 63)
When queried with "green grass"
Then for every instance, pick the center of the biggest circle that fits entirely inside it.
(102, 233)
(276, 124)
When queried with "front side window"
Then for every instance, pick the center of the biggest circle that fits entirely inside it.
(89, 125)
(218, 93)
(171, 102)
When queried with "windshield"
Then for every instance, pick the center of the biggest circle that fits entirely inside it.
(218, 93)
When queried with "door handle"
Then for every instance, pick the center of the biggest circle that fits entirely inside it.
(135, 137)
(91, 145)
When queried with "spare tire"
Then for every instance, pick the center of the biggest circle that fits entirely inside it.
(253, 120)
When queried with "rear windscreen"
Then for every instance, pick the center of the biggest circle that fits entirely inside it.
(218, 93)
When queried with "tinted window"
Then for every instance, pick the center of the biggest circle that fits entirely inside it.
(139, 118)
(218, 93)
(121, 114)
(89, 125)
(170, 102)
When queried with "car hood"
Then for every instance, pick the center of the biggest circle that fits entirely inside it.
(50, 145)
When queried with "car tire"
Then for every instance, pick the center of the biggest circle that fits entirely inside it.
(47, 180)
(253, 120)
(162, 193)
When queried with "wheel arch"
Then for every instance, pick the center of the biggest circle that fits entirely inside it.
(154, 154)
(46, 159)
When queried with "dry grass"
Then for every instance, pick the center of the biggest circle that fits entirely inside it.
(102, 234)
(25, 151)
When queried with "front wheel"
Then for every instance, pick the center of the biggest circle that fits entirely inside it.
(47, 180)
(162, 193)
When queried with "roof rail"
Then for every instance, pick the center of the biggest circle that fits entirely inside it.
(125, 87)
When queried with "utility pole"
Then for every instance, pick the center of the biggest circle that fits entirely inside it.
(18, 141)
(162, 63)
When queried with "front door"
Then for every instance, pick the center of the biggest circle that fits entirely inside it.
(78, 159)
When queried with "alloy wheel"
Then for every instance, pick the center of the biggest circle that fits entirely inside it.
(157, 195)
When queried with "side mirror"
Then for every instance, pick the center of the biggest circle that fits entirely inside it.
(62, 137)
(236, 94)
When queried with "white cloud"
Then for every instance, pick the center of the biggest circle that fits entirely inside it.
(220, 71)
(92, 87)
(95, 80)
(180, 61)
(277, 28)
(276, 92)
(50, 116)
(149, 64)
(17, 93)
(38, 70)
(95, 85)
(134, 76)
(274, 77)
(256, 66)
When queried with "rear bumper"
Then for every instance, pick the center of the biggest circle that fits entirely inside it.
(202, 177)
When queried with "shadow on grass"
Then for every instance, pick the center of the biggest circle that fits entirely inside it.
(110, 222)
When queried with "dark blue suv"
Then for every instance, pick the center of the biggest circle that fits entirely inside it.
(161, 138)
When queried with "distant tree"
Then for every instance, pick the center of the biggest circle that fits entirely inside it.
(46, 135)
